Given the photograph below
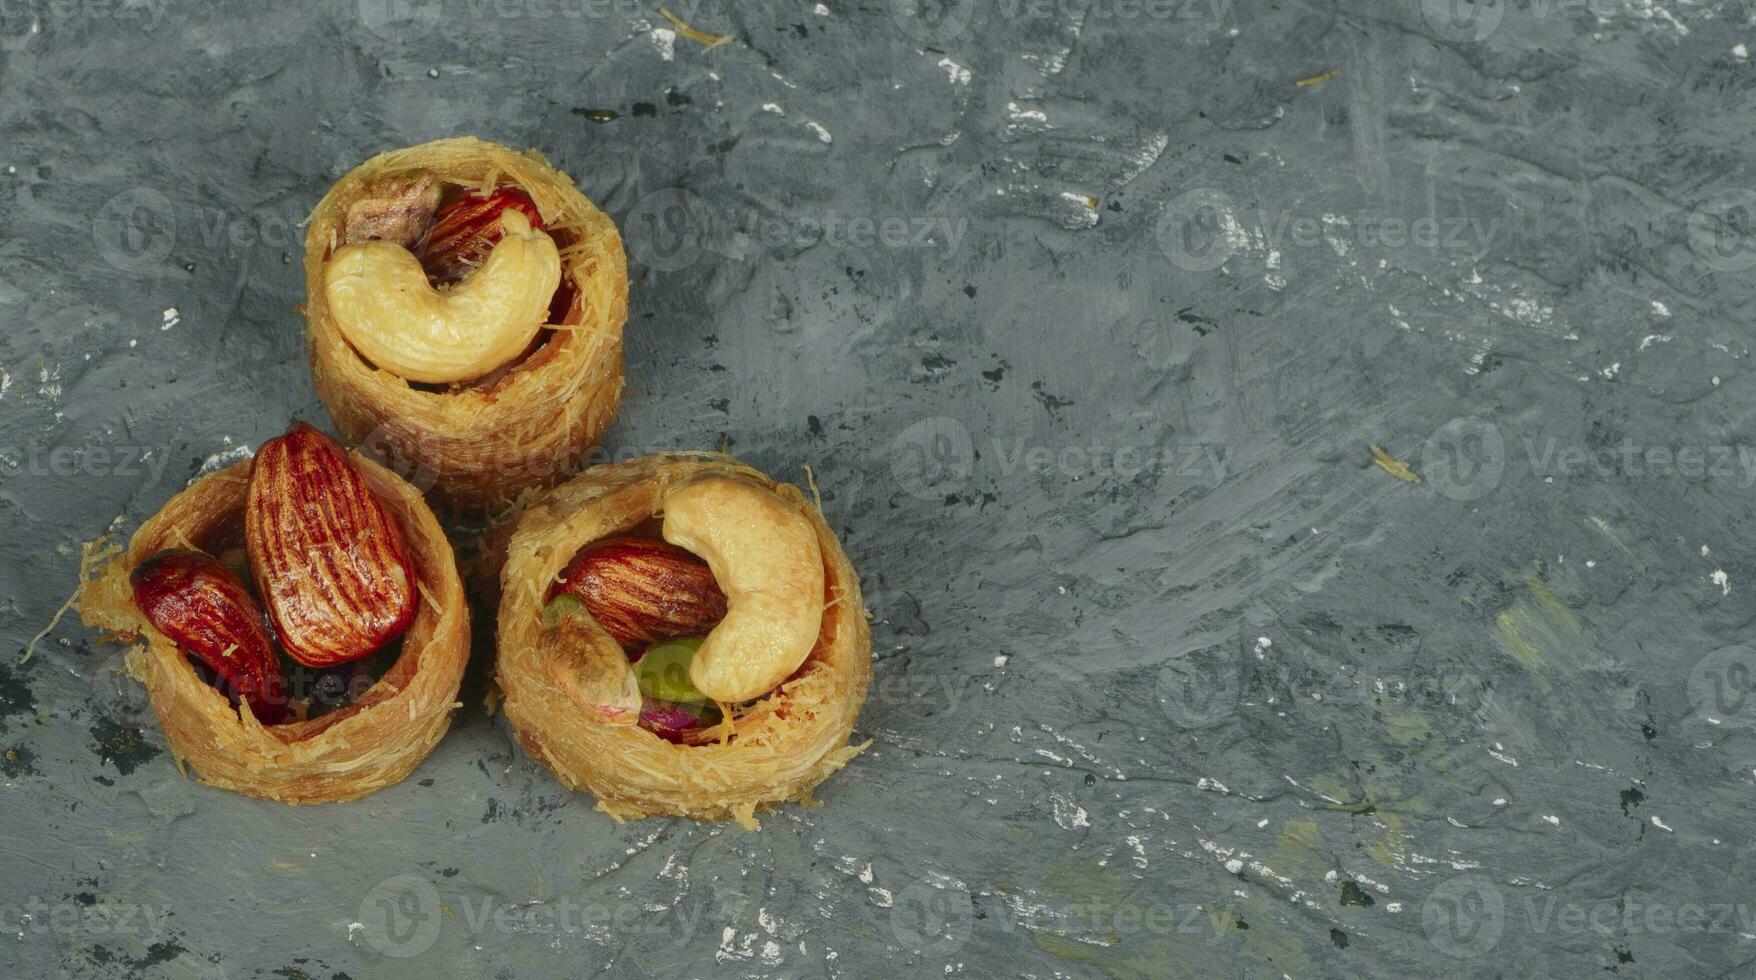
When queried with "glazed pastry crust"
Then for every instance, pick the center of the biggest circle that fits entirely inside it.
(793, 738)
(354, 750)
(478, 447)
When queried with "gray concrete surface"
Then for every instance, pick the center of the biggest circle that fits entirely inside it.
(1086, 315)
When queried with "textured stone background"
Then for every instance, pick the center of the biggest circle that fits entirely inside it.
(1172, 680)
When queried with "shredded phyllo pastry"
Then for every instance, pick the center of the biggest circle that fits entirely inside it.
(758, 753)
(362, 746)
(478, 442)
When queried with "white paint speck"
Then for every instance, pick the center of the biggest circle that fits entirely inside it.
(1660, 824)
(1740, 52)
(1551, 819)
(1660, 309)
(1724, 581)
(958, 73)
(1000, 660)
(665, 40)
(1068, 814)
(773, 107)
(822, 10)
(170, 318)
(823, 134)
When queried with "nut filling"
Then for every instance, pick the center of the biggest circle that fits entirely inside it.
(333, 572)
(442, 294)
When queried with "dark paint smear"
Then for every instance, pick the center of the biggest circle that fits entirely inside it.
(122, 745)
(156, 955)
(1339, 938)
(17, 761)
(1351, 894)
(1631, 796)
(15, 695)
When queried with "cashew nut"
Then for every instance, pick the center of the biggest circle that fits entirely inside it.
(765, 555)
(384, 306)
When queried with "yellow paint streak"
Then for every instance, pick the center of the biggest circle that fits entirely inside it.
(1406, 726)
(1319, 79)
(1602, 527)
(1539, 630)
(1297, 852)
(1395, 467)
(701, 37)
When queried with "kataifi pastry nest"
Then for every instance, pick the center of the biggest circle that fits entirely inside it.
(478, 446)
(784, 743)
(358, 748)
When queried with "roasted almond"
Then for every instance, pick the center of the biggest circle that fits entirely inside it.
(398, 208)
(327, 555)
(641, 590)
(198, 602)
(464, 232)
